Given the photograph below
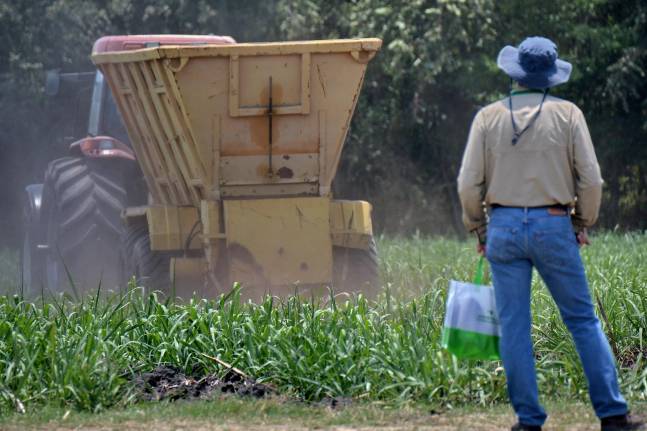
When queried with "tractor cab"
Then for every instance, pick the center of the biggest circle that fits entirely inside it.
(104, 118)
(105, 134)
(94, 132)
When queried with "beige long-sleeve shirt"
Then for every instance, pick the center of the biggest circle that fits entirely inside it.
(552, 163)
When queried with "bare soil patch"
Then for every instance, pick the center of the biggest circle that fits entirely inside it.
(169, 383)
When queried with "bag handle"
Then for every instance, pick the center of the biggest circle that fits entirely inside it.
(478, 276)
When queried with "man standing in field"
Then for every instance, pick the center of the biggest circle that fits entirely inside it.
(530, 160)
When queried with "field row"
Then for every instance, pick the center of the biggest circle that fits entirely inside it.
(84, 354)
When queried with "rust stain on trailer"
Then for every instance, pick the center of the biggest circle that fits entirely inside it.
(285, 172)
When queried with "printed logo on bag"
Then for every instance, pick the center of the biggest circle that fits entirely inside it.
(489, 318)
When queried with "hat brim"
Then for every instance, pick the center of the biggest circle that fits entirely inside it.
(508, 61)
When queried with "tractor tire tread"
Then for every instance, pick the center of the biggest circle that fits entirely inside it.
(88, 198)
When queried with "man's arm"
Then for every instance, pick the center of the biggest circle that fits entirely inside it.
(471, 180)
(588, 180)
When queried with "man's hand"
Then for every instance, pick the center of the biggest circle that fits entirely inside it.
(480, 239)
(582, 238)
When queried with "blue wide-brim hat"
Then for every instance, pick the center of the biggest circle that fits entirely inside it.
(534, 64)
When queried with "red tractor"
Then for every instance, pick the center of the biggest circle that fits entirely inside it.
(73, 220)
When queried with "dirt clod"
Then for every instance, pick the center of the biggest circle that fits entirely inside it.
(169, 383)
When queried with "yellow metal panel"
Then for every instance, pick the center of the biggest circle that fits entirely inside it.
(213, 240)
(114, 57)
(132, 215)
(210, 219)
(153, 140)
(186, 140)
(191, 106)
(270, 48)
(139, 132)
(274, 242)
(324, 188)
(340, 78)
(188, 278)
(167, 138)
(122, 94)
(170, 227)
(266, 190)
(295, 168)
(350, 223)
(290, 74)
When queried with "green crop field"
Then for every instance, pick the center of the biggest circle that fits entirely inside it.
(58, 355)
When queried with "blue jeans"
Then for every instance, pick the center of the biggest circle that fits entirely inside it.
(518, 239)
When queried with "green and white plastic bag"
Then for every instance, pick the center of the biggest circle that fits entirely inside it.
(471, 329)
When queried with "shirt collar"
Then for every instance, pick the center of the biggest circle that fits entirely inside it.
(526, 91)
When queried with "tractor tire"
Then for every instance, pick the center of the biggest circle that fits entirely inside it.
(357, 270)
(30, 270)
(31, 259)
(150, 268)
(82, 204)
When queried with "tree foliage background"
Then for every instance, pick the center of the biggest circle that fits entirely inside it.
(436, 68)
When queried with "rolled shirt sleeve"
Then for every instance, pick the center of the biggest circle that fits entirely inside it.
(471, 178)
(588, 180)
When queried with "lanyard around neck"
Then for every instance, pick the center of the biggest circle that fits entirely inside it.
(515, 130)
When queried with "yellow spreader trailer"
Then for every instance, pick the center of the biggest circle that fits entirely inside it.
(239, 145)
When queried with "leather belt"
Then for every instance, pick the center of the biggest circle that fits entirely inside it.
(566, 208)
